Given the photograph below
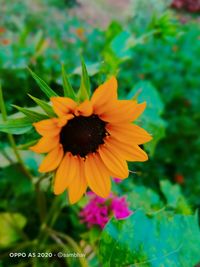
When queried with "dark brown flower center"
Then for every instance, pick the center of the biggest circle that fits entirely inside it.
(83, 135)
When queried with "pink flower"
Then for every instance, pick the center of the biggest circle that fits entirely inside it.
(99, 210)
(117, 180)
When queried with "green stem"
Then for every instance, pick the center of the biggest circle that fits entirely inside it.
(41, 202)
(49, 220)
(11, 139)
(6, 156)
(18, 157)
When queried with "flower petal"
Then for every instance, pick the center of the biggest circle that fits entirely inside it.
(129, 133)
(47, 127)
(122, 111)
(63, 120)
(97, 176)
(139, 109)
(52, 160)
(130, 152)
(78, 187)
(66, 173)
(114, 162)
(84, 109)
(63, 105)
(104, 93)
(45, 144)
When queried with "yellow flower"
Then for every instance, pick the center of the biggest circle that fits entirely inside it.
(89, 142)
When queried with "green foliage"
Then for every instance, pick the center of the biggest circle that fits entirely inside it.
(43, 86)
(32, 115)
(174, 197)
(16, 126)
(143, 197)
(151, 119)
(155, 60)
(163, 26)
(68, 90)
(84, 91)
(11, 225)
(154, 240)
(46, 107)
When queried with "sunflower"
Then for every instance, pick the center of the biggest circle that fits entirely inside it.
(89, 142)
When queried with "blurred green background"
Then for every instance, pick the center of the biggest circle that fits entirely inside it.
(154, 51)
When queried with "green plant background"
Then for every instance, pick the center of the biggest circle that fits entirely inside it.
(156, 59)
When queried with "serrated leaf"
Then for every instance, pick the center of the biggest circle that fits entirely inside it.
(84, 91)
(68, 90)
(32, 115)
(153, 241)
(10, 223)
(16, 126)
(42, 84)
(46, 107)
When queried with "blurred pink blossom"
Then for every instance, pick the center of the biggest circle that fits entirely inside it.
(99, 210)
(117, 180)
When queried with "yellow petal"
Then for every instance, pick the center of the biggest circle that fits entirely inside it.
(52, 160)
(62, 121)
(97, 176)
(63, 105)
(114, 162)
(130, 152)
(66, 173)
(104, 93)
(129, 133)
(79, 185)
(47, 127)
(122, 111)
(84, 109)
(139, 109)
(45, 144)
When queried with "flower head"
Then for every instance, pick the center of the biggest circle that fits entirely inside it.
(98, 210)
(90, 141)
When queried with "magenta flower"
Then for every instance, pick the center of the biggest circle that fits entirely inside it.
(117, 180)
(99, 210)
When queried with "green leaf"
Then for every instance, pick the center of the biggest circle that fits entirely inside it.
(46, 107)
(43, 86)
(27, 145)
(151, 119)
(144, 197)
(16, 126)
(11, 224)
(84, 91)
(92, 69)
(13, 173)
(119, 45)
(32, 115)
(68, 90)
(153, 241)
(174, 197)
(2, 105)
